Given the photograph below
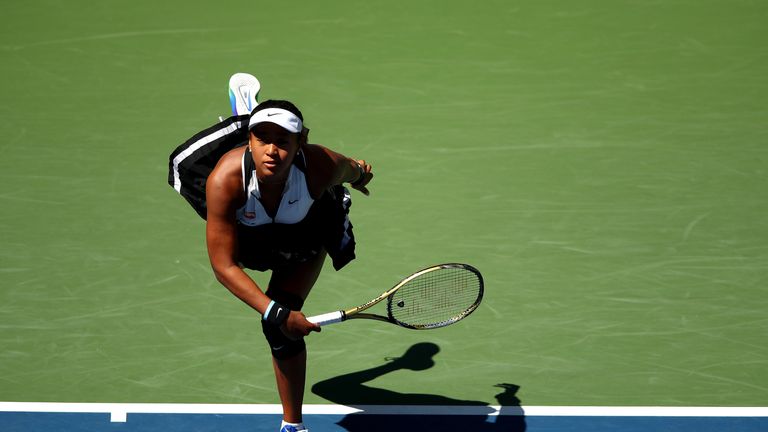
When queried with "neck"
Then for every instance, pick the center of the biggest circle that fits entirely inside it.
(276, 186)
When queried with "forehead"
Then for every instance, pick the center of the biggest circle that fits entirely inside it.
(270, 129)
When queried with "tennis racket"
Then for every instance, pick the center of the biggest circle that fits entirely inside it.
(434, 297)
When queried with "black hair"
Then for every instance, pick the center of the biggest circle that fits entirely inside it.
(275, 103)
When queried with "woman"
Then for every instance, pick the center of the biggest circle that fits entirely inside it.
(277, 204)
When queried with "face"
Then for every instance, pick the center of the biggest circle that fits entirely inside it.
(273, 150)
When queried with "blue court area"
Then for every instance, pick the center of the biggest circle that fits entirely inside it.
(45, 422)
(380, 418)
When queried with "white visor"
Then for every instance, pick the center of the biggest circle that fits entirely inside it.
(283, 118)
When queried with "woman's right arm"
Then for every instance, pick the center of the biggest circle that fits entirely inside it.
(223, 196)
(223, 191)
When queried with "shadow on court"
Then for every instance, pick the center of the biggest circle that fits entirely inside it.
(351, 390)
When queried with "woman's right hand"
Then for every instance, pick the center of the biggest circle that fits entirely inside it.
(297, 326)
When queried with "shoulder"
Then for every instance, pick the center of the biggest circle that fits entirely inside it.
(316, 151)
(228, 166)
(322, 164)
(225, 184)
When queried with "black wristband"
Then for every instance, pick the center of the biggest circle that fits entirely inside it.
(360, 178)
(276, 314)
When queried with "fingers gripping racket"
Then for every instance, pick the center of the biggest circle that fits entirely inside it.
(434, 297)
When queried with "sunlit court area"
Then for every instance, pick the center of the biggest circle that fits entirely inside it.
(603, 165)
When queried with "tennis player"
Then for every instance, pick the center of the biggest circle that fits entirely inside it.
(274, 203)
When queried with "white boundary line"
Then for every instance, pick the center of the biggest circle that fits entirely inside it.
(119, 411)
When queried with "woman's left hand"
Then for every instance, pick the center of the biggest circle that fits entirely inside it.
(365, 178)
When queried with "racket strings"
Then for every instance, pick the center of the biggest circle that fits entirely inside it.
(436, 298)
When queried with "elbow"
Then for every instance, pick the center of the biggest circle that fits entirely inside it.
(221, 274)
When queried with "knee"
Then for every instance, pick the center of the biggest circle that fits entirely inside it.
(282, 346)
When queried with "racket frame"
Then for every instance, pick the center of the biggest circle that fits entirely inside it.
(356, 312)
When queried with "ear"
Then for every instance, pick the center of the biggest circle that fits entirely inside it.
(304, 138)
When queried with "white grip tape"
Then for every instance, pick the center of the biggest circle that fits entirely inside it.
(328, 318)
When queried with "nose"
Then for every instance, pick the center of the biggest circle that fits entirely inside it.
(271, 149)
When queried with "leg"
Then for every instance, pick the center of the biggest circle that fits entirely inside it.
(299, 279)
(290, 372)
(291, 375)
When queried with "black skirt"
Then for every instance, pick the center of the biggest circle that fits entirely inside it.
(278, 246)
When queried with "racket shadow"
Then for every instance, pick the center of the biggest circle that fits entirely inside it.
(351, 390)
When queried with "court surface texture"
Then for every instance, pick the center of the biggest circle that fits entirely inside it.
(602, 163)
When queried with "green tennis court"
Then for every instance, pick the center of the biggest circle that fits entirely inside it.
(602, 163)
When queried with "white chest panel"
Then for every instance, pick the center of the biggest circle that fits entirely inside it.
(294, 204)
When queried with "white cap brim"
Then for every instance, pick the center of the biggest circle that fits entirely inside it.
(283, 118)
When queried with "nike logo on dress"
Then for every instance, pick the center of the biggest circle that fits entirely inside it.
(292, 202)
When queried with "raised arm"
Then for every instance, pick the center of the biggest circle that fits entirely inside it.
(332, 168)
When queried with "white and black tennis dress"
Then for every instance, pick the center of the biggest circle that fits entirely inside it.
(301, 227)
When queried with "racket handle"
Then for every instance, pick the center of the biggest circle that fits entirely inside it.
(328, 318)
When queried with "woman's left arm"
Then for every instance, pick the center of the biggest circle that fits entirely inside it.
(335, 168)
